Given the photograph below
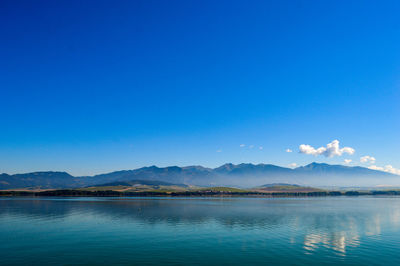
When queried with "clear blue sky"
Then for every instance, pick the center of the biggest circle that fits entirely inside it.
(96, 86)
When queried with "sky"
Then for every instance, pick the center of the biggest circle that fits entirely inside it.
(90, 87)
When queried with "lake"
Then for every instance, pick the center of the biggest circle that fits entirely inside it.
(200, 231)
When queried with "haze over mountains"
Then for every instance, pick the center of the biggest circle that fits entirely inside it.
(240, 175)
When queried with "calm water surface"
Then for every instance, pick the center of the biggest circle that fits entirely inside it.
(200, 231)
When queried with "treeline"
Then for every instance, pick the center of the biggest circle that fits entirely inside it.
(110, 193)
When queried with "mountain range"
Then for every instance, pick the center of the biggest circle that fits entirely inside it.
(239, 175)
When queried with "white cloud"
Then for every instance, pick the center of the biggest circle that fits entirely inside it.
(374, 167)
(388, 168)
(347, 161)
(367, 158)
(293, 165)
(332, 149)
(242, 145)
(251, 146)
(391, 169)
(289, 150)
(219, 150)
(261, 147)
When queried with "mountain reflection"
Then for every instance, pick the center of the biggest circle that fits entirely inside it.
(319, 223)
(337, 241)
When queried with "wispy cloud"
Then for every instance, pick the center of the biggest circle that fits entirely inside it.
(219, 150)
(289, 150)
(387, 168)
(367, 159)
(292, 165)
(347, 161)
(251, 146)
(332, 149)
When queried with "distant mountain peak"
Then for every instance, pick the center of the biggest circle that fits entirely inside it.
(46, 173)
(243, 174)
(196, 167)
(315, 164)
(227, 166)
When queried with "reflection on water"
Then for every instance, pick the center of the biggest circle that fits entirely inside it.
(336, 241)
(234, 230)
(338, 234)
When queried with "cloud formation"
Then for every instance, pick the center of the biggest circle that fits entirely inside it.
(289, 150)
(347, 161)
(293, 165)
(367, 158)
(332, 149)
(388, 168)
(251, 146)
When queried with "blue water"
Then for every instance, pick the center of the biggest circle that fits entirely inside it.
(200, 231)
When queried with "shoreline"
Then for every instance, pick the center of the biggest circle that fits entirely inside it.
(110, 193)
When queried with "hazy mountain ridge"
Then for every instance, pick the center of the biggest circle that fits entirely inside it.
(140, 182)
(240, 175)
